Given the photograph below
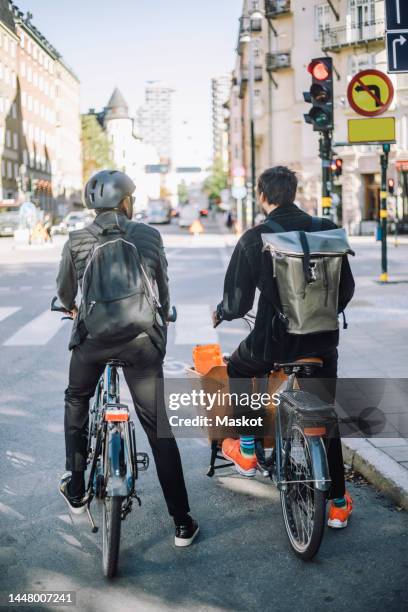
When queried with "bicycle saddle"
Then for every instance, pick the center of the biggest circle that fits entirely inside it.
(117, 363)
(307, 364)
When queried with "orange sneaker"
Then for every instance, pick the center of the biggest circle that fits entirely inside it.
(246, 466)
(338, 517)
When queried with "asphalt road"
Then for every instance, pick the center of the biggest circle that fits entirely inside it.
(241, 560)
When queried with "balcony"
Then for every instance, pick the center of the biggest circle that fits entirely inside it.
(276, 8)
(277, 61)
(336, 38)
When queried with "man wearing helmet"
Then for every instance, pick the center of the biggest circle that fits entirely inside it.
(109, 193)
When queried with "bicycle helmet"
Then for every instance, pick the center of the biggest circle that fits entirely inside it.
(106, 189)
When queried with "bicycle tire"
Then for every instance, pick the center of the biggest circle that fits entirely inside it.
(111, 527)
(308, 550)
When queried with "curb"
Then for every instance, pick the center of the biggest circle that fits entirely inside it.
(378, 468)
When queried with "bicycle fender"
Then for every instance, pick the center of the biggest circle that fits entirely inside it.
(319, 462)
(117, 484)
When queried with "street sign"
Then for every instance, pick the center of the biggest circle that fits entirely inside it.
(397, 14)
(370, 92)
(397, 51)
(239, 193)
(377, 130)
(397, 35)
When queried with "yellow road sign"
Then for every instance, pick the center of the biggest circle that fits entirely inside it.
(380, 129)
(370, 92)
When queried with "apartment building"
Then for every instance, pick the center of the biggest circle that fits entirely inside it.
(39, 116)
(285, 36)
(156, 120)
(220, 91)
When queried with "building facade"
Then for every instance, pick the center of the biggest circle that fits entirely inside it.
(131, 154)
(285, 36)
(39, 116)
(220, 91)
(155, 119)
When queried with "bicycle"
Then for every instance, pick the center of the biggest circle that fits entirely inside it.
(112, 459)
(297, 464)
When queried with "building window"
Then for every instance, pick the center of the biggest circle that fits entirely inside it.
(7, 75)
(15, 170)
(9, 170)
(8, 139)
(1, 104)
(22, 40)
(35, 52)
(14, 110)
(30, 103)
(15, 141)
(23, 69)
(35, 78)
(25, 157)
(3, 168)
(322, 19)
(23, 98)
(362, 12)
(13, 49)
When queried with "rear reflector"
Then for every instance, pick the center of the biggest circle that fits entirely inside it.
(116, 415)
(314, 431)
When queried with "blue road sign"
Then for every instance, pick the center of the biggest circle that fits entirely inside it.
(397, 14)
(397, 51)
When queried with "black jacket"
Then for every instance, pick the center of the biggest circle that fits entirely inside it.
(75, 255)
(250, 269)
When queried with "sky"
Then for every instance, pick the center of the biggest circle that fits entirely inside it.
(124, 43)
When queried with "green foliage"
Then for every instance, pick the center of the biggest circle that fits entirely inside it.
(216, 181)
(182, 193)
(96, 148)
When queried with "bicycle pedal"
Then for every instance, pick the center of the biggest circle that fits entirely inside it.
(142, 460)
(137, 498)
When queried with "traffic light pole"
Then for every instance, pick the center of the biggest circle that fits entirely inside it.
(325, 147)
(383, 212)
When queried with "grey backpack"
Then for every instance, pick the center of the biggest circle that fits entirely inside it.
(118, 301)
(307, 268)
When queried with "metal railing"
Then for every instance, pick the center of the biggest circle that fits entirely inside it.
(345, 36)
(275, 8)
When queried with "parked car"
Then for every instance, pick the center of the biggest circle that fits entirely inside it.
(9, 222)
(158, 211)
(77, 219)
(188, 214)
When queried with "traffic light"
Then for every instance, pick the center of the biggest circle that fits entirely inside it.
(337, 166)
(320, 94)
(391, 185)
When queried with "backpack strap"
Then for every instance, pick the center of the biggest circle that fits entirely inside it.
(306, 255)
(317, 224)
(274, 226)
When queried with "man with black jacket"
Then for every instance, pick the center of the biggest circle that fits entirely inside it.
(110, 194)
(251, 269)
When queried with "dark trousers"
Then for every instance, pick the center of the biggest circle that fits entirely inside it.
(144, 376)
(242, 367)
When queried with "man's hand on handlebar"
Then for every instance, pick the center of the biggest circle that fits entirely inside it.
(72, 314)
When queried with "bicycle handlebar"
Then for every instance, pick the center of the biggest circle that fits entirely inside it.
(171, 318)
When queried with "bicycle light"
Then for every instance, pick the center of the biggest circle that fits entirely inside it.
(116, 415)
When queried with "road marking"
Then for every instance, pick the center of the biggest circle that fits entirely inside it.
(193, 325)
(7, 311)
(37, 332)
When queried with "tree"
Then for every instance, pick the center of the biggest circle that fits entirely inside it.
(182, 193)
(216, 181)
(96, 148)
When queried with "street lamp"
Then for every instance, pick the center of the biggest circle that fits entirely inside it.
(246, 37)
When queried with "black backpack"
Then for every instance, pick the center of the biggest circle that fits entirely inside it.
(118, 301)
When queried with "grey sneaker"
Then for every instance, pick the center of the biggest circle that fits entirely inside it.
(75, 504)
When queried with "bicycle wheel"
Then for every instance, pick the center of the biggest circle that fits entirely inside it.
(303, 506)
(111, 523)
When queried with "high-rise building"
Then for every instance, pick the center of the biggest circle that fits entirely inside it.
(155, 118)
(40, 137)
(220, 90)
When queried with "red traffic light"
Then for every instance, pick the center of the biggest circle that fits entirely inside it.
(319, 70)
(339, 163)
(391, 184)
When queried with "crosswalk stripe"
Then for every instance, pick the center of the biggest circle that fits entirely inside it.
(193, 325)
(38, 331)
(6, 311)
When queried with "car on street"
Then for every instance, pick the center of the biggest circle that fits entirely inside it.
(76, 219)
(158, 212)
(9, 221)
(188, 214)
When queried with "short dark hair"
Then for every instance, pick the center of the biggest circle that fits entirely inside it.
(278, 185)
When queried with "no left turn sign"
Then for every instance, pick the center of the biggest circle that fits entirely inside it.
(370, 93)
